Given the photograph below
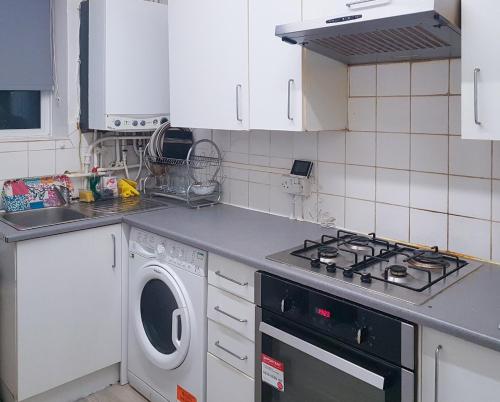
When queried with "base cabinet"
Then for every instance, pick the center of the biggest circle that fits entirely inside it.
(66, 304)
(226, 384)
(465, 372)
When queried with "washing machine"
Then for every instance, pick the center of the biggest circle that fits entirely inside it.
(167, 326)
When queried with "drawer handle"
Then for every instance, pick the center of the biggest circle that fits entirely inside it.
(242, 358)
(476, 107)
(356, 2)
(218, 309)
(436, 372)
(227, 278)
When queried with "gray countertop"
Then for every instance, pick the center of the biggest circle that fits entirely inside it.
(470, 309)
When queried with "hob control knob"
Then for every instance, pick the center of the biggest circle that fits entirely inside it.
(135, 123)
(315, 263)
(331, 268)
(348, 273)
(118, 123)
(361, 335)
(143, 123)
(366, 278)
(286, 304)
(160, 249)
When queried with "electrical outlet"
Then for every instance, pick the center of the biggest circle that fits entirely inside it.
(296, 185)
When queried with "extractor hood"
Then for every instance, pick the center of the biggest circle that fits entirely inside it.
(372, 31)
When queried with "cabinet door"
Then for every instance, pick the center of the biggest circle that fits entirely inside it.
(480, 69)
(466, 372)
(69, 307)
(208, 42)
(226, 384)
(275, 67)
(314, 9)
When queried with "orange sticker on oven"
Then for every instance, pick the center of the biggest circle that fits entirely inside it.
(184, 396)
(273, 372)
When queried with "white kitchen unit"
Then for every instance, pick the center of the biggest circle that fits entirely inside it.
(465, 372)
(209, 64)
(480, 70)
(231, 331)
(291, 89)
(60, 315)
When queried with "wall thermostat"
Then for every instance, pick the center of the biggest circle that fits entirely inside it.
(302, 168)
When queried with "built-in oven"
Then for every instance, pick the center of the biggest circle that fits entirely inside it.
(314, 347)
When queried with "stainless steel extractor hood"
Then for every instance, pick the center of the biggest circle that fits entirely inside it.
(372, 31)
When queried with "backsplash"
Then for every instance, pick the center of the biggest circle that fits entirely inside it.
(401, 169)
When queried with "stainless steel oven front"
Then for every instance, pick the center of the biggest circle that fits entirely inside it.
(314, 347)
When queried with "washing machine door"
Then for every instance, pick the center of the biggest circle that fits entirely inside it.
(161, 316)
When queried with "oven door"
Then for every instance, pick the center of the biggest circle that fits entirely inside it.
(297, 364)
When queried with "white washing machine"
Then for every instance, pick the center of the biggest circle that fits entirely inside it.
(167, 326)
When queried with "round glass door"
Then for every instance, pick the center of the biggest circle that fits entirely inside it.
(162, 320)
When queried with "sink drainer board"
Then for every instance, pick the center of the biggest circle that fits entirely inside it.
(35, 192)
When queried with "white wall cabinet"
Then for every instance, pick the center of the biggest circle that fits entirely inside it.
(66, 308)
(480, 70)
(466, 372)
(209, 64)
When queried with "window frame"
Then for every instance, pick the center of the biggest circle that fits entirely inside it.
(35, 133)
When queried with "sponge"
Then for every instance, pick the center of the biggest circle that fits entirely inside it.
(86, 196)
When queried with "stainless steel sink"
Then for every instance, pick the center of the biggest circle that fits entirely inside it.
(37, 218)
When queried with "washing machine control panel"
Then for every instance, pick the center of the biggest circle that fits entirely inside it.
(168, 251)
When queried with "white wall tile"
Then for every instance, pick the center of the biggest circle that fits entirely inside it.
(13, 165)
(310, 208)
(429, 228)
(430, 77)
(429, 114)
(240, 141)
(362, 116)
(393, 222)
(305, 146)
(429, 191)
(495, 256)
(331, 206)
(470, 157)
(281, 163)
(41, 145)
(239, 193)
(496, 160)
(470, 197)
(496, 201)
(360, 182)
(456, 76)
(280, 202)
(362, 80)
(282, 144)
(360, 148)
(455, 124)
(259, 197)
(236, 157)
(42, 163)
(67, 159)
(238, 174)
(331, 146)
(260, 143)
(393, 186)
(470, 236)
(259, 177)
(429, 153)
(393, 115)
(202, 134)
(360, 215)
(331, 178)
(393, 150)
(13, 146)
(222, 139)
(393, 79)
(259, 160)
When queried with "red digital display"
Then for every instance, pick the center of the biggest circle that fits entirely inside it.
(323, 312)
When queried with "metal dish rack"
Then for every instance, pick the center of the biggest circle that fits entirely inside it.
(195, 180)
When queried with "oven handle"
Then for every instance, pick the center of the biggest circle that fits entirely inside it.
(339, 363)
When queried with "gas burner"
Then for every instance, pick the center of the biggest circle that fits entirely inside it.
(327, 254)
(358, 243)
(428, 260)
(399, 271)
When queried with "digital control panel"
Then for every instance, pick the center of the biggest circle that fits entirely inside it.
(134, 123)
(168, 251)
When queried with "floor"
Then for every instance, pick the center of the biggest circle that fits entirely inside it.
(115, 393)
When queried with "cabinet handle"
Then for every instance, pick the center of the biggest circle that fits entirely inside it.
(242, 358)
(356, 2)
(227, 278)
(290, 82)
(436, 373)
(239, 87)
(114, 251)
(219, 310)
(476, 107)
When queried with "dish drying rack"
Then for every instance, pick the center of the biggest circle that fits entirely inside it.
(195, 180)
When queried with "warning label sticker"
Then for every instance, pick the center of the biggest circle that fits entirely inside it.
(184, 396)
(273, 372)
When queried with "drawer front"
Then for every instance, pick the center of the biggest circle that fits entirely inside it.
(224, 382)
(231, 347)
(232, 276)
(231, 311)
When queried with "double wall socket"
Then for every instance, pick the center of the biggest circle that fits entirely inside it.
(296, 185)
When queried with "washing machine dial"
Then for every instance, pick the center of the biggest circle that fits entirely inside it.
(160, 249)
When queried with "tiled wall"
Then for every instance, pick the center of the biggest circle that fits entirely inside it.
(401, 169)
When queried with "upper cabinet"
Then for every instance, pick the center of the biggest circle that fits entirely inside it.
(229, 71)
(480, 70)
(209, 64)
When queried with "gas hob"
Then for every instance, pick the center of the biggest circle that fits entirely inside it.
(396, 270)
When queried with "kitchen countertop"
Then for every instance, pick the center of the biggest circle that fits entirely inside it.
(469, 309)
